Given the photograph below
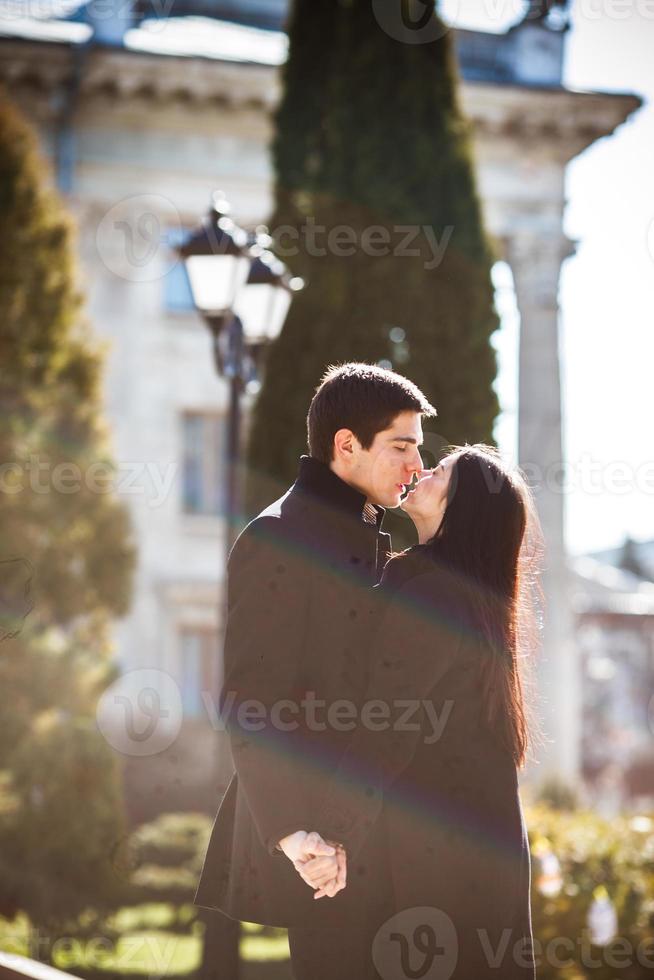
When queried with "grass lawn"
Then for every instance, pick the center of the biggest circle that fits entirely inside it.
(148, 945)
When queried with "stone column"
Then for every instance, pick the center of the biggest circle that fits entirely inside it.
(535, 259)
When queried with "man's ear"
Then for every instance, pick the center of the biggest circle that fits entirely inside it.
(345, 444)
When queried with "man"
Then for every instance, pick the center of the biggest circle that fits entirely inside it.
(298, 622)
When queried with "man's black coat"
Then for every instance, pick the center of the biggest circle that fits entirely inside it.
(298, 624)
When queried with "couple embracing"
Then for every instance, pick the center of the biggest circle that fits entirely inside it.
(375, 707)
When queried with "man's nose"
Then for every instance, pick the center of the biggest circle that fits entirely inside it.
(416, 464)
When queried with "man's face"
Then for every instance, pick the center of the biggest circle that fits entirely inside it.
(383, 471)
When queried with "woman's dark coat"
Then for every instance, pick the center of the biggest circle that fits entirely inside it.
(450, 802)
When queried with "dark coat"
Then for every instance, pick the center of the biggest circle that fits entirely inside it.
(298, 621)
(449, 798)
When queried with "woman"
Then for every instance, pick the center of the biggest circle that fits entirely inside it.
(447, 671)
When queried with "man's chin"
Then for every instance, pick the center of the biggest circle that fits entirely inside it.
(391, 499)
(395, 501)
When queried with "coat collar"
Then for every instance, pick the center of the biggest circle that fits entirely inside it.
(317, 478)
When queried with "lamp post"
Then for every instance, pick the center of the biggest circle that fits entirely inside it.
(243, 293)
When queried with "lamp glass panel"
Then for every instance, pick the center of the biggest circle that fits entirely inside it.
(279, 313)
(263, 308)
(255, 304)
(216, 279)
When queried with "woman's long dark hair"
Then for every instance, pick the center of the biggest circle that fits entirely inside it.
(490, 541)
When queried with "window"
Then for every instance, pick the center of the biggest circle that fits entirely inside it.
(198, 661)
(203, 441)
(178, 297)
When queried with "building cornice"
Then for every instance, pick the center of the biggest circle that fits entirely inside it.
(123, 74)
(563, 119)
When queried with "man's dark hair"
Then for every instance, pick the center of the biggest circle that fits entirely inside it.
(362, 397)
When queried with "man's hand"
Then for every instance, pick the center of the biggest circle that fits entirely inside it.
(321, 864)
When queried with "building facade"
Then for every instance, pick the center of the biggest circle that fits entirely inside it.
(613, 605)
(142, 119)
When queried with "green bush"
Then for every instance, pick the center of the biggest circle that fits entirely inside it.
(581, 860)
(164, 857)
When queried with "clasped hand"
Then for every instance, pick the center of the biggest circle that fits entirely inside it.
(322, 864)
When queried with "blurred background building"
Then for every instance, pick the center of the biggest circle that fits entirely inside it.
(613, 604)
(143, 113)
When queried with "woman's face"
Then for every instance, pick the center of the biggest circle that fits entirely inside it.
(428, 499)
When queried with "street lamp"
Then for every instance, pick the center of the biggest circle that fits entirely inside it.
(243, 292)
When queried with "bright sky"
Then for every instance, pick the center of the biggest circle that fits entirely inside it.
(607, 288)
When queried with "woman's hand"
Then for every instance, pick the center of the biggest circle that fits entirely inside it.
(327, 874)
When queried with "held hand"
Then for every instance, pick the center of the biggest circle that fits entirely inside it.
(302, 846)
(339, 882)
(321, 864)
(328, 875)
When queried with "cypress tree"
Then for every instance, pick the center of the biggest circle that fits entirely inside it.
(370, 139)
(66, 560)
